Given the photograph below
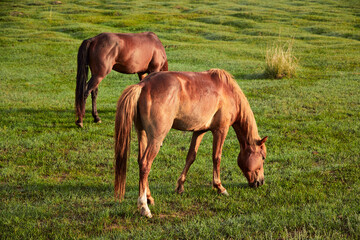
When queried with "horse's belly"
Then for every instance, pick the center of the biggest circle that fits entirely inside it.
(133, 62)
(192, 123)
(130, 68)
(196, 115)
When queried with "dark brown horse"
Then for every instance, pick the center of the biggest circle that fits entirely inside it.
(139, 53)
(187, 101)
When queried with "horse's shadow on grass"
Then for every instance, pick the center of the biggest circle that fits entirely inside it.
(91, 193)
(91, 199)
(236, 185)
(48, 118)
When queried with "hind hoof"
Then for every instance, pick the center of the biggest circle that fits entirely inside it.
(225, 193)
(179, 189)
(145, 212)
(98, 120)
(79, 124)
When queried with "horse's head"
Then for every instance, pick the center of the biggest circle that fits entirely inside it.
(251, 162)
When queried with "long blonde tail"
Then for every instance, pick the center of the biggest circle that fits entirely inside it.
(126, 112)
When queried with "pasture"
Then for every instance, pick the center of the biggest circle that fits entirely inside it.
(56, 180)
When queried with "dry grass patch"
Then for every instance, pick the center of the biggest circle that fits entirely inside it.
(280, 61)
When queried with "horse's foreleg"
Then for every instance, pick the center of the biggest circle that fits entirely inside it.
(145, 163)
(94, 108)
(194, 146)
(218, 142)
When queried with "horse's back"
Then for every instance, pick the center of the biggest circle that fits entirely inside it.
(127, 52)
(188, 101)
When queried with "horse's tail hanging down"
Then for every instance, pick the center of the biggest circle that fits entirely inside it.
(126, 112)
(82, 76)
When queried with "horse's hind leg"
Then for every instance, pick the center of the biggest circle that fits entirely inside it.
(94, 108)
(142, 140)
(194, 146)
(145, 163)
(92, 87)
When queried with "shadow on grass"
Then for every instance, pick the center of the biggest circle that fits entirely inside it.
(79, 199)
(69, 190)
(61, 188)
(236, 185)
(48, 118)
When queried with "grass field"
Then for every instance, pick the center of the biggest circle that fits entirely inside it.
(56, 180)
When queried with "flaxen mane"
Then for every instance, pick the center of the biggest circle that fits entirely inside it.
(247, 119)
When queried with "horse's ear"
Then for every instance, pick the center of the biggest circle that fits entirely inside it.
(262, 141)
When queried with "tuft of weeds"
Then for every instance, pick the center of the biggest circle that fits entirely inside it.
(280, 61)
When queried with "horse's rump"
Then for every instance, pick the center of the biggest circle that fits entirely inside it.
(128, 52)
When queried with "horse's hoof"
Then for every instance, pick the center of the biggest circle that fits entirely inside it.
(179, 189)
(225, 193)
(145, 212)
(79, 124)
(151, 201)
(98, 120)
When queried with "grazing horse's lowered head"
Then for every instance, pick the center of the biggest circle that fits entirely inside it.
(251, 162)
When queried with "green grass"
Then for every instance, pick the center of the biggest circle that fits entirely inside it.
(56, 181)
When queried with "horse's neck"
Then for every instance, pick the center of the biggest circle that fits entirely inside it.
(245, 125)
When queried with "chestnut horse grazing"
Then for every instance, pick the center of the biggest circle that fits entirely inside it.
(139, 53)
(187, 101)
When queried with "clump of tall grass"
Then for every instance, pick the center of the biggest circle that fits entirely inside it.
(280, 61)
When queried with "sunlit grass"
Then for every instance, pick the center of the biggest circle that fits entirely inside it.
(56, 181)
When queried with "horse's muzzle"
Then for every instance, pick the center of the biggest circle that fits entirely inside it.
(257, 183)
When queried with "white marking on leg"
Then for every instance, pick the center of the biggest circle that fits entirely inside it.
(142, 205)
(225, 193)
